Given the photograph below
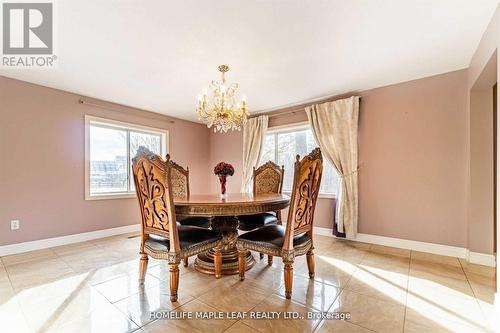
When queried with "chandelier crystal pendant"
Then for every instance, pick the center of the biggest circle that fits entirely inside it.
(218, 107)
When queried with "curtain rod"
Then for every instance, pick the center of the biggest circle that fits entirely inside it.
(84, 102)
(272, 115)
(277, 113)
(296, 108)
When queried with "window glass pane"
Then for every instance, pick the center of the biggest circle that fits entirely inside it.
(268, 149)
(108, 160)
(286, 153)
(290, 144)
(150, 141)
(329, 179)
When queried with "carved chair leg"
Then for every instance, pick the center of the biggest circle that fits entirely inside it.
(242, 261)
(288, 270)
(143, 266)
(174, 281)
(218, 262)
(269, 260)
(185, 261)
(310, 263)
(261, 256)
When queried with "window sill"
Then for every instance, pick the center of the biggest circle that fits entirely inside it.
(109, 196)
(321, 195)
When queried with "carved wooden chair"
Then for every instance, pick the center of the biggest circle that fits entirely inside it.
(180, 189)
(296, 238)
(160, 236)
(268, 178)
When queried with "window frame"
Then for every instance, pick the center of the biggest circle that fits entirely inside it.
(288, 128)
(115, 124)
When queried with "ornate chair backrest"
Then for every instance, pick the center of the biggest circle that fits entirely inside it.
(268, 178)
(154, 193)
(306, 182)
(180, 180)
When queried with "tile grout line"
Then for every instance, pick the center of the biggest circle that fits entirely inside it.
(227, 329)
(213, 307)
(292, 301)
(153, 321)
(315, 328)
(340, 292)
(485, 317)
(254, 308)
(407, 287)
(23, 314)
(113, 305)
(15, 296)
(88, 284)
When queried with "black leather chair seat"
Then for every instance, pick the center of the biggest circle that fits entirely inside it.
(272, 236)
(194, 221)
(250, 222)
(189, 237)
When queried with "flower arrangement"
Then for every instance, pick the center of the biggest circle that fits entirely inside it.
(222, 170)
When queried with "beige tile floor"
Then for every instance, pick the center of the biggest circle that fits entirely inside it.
(92, 287)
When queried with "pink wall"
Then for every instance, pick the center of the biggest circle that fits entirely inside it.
(480, 235)
(226, 147)
(481, 172)
(42, 168)
(413, 160)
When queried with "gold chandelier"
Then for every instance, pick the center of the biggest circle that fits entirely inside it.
(219, 109)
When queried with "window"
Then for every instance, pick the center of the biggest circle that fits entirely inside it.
(109, 149)
(282, 145)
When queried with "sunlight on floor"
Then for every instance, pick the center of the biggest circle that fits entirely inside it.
(385, 289)
(60, 303)
(452, 307)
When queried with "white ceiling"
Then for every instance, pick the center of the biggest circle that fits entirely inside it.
(159, 55)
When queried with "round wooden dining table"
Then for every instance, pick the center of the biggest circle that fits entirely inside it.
(224, 214)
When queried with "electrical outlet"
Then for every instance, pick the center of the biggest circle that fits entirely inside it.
(14, 224)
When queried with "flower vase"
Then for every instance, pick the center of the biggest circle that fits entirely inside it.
(223, 180)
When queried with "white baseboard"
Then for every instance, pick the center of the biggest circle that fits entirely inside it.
(481, 259)
(323, 231)
(63, 240)
(444, 250)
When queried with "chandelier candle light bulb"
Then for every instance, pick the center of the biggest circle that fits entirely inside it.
(219, 108)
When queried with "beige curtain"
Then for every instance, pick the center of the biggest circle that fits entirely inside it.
(254, 132)
(335, 128)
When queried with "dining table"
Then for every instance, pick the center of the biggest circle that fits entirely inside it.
(224, 213)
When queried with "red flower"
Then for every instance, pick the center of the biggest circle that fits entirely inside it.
(223, 168)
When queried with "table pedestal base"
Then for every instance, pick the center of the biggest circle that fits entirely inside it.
(228, 226)
(204, 263)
